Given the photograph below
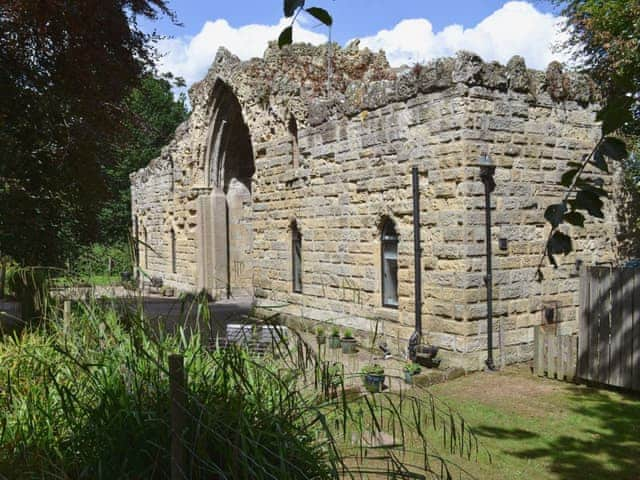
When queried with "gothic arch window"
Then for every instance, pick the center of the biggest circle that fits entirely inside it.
(296, 258)
(295, 148)
(389, 263)
(173, 251)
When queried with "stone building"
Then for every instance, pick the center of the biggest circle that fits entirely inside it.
(276, 189)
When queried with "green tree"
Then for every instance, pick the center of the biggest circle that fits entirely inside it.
(65, 67)
(153, 115)
(604, 38)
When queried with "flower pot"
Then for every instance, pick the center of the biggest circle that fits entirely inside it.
(348, 345)
(321, 339)
(334, 342)
(373, 382)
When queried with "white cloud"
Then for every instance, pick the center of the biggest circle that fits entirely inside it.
(191, 57)
(515, 29)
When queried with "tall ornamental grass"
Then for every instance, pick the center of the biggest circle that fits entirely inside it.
(88, 398)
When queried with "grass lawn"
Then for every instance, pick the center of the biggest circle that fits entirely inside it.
(538, 428)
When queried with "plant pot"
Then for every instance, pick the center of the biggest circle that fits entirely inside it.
(373, 383)
(334, 342)
(321, 339)
(348, 345)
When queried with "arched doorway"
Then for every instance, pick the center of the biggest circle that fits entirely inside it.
(226, 243)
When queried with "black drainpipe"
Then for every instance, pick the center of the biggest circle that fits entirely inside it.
(414, 341)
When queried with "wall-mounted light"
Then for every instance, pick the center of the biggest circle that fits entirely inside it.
(503, 244)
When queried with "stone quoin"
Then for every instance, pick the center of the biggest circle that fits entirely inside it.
(296, 191)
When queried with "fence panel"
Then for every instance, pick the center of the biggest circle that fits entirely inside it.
(609, 327)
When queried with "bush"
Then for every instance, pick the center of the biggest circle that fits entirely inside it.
(94, 259)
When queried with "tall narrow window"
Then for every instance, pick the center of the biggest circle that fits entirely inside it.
(295, 148)
(389, 241)
(296, 258)
(145, 239)
(136, 240)
(173, 251)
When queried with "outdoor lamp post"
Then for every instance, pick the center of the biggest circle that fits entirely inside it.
(487, 171)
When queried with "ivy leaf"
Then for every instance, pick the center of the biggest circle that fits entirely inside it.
(554, 213)
(614, 148)
(590, 202)
(560, 243)
(286, 37)
(320, 14)
(552, 259)
(290, 7)
(599, 161)
(575, 218)
(539, 275)
(568, 176)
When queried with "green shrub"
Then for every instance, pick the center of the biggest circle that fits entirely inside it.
(94, 260)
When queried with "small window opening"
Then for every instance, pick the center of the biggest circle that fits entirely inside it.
(389, 243)
(295, 148)
(173, 251)
(296, 258)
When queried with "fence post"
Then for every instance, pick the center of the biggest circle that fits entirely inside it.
(66, 317)
(178, 396)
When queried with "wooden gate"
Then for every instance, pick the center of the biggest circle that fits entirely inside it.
(609, 326)
(554, 355)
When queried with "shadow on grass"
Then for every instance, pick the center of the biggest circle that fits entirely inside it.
(601, 442)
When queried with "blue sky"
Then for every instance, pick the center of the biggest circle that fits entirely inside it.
(408, 30)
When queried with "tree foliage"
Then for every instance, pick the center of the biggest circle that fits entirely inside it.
(604, 37)
(65, 67)
(152, 115)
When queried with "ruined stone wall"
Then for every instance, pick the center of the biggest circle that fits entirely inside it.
(349, 167)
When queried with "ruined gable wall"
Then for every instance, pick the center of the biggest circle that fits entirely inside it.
(269, 89)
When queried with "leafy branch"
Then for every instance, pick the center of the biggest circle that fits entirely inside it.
(588, 194)
(292, 9)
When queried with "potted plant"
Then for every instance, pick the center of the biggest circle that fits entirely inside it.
(320, 337)
(348, 342)
(410, 369)
(373, 377)
(334, 339)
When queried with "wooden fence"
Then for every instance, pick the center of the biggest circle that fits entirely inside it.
(554, 355)
(609, 326)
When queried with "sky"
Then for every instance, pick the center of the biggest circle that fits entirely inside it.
(409, 31)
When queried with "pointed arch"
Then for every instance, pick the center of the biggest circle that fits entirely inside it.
(229, 149)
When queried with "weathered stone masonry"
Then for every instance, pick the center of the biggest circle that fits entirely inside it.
(265, 148)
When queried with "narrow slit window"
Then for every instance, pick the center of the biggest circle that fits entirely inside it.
(389, 244)
(296, 259)
(173, 251)
(295, 148)
(146, 247)
(136, 240)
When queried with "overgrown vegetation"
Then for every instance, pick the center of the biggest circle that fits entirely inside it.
(89, 398)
